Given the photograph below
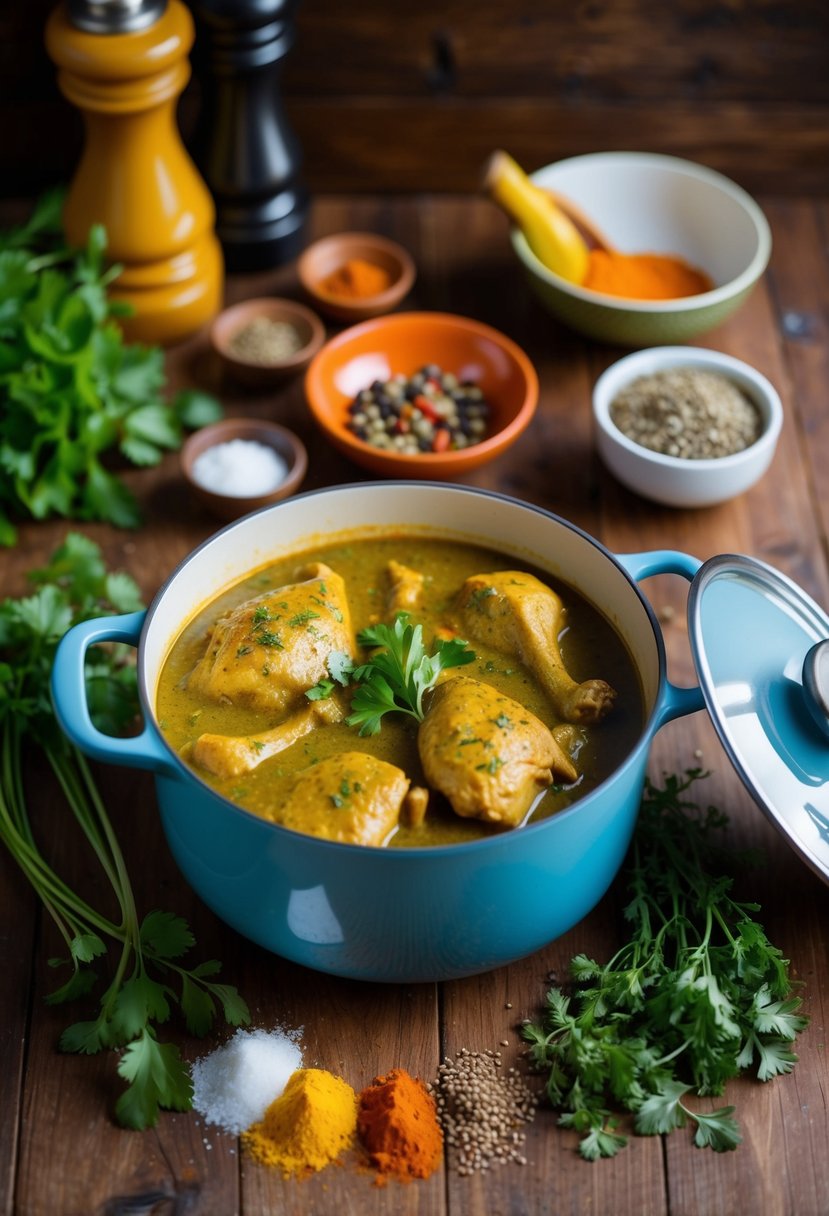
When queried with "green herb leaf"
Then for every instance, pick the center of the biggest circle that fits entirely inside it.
(168, 936)
(86, 946)
(662, 1111)
(340, 666)
(197, 1005)
(70, 388)
(195, 409)
(320, 691)
(718, 1130)
(695, 995)
(85, 1038)
(396, 677)
(158, 1077)
(234, 1007)
(74, 586)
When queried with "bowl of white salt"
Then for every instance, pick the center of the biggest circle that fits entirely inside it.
(686, 426)
(241, 464)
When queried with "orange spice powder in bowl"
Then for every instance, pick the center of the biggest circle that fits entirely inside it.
(352, 276)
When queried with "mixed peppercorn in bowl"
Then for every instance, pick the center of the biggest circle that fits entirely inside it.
(431, 411)
(421, 394)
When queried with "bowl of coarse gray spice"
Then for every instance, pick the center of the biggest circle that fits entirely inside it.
(262, 341)
(685, 426)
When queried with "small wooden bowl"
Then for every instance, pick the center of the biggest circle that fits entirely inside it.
(284, 442)
(262, 375)
(329, 254)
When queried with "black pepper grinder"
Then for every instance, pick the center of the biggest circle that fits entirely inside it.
(243, 144)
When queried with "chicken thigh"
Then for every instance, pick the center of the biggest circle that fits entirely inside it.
(489, 755)
(266, 652)
(352, 797)
(519, 615)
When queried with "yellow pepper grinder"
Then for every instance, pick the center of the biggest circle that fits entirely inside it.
(124, 64)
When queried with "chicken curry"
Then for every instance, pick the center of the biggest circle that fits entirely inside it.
(528, 701)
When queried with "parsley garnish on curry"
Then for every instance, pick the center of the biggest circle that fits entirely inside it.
(401, 690)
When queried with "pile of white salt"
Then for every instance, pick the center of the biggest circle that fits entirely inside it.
(236, 1083)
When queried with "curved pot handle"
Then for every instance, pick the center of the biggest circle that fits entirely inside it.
(69, 696)
(675, 702)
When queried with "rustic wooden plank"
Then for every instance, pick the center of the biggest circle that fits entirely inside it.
(466, 265)
(17, 943)
(552, 466)
(358, 1031)
(555, 1177)
(93, 1166)
(403, 145)
(626, 50)
(777, 1168)
(800, 277)
(418, 101)
(773, 521)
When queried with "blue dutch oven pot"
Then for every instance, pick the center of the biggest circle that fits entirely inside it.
(425, 914)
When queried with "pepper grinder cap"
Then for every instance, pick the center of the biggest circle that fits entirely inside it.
(114, 16)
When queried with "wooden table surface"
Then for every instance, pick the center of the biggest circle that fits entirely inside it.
(60, 1152)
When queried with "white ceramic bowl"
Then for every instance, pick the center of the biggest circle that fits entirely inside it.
(646, 203)
(672, 480)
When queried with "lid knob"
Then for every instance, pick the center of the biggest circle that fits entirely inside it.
(114, 16)
(816, 684)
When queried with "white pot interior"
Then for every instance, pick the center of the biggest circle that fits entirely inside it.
(518, 530)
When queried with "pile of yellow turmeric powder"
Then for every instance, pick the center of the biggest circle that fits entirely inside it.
(317, 1116)
(308, 1126)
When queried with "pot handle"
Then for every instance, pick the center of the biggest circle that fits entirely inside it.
(69, 697)
(675, 702)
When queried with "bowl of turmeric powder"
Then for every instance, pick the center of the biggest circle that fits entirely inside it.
(353, 276)
(672, 248)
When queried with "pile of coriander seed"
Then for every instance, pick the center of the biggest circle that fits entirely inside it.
(482, 1110)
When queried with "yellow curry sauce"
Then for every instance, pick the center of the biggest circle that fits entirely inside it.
(589, 647)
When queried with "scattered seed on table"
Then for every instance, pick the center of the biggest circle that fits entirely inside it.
(482, 1111)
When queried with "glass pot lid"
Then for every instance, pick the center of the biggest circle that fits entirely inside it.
(761, 648)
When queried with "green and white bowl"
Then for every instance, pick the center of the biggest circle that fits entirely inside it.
(645, 203)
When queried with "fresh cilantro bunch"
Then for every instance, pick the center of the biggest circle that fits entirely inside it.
(399, 673)
(71, 390)
(697, 995)
(148, 976)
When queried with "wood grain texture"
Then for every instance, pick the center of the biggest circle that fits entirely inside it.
(59, 1149)
(414, 97)
(17, 948)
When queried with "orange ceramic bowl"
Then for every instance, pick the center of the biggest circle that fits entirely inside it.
(403, 343)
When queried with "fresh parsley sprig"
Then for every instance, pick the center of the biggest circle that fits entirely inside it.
(71, 390)
(399, 673)
(148, 976)
(697, 995)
